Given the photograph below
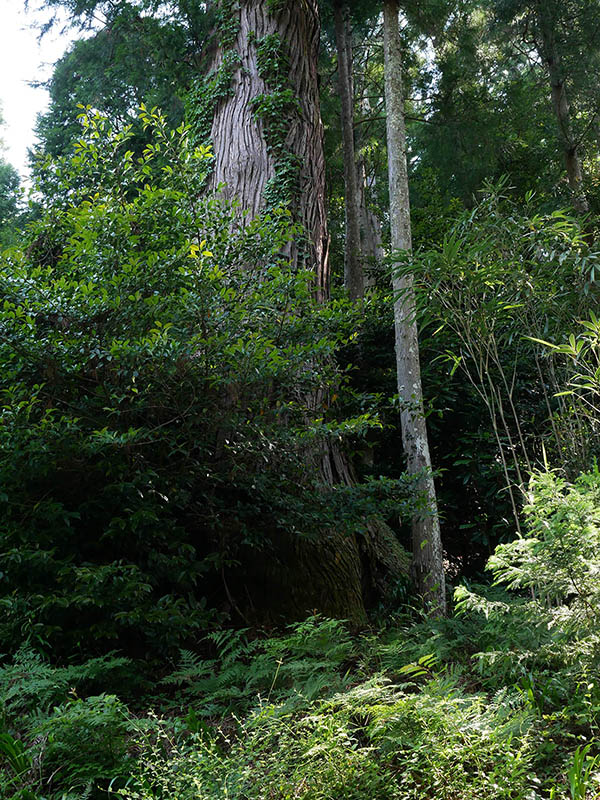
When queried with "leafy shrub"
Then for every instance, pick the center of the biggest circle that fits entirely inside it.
(544, 633)
(559, 558)
(158, 401)
(504, 275)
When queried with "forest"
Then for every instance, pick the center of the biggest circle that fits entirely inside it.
(300, 405)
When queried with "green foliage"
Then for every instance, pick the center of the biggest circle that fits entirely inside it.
(505, 271)
(565, 41)
(483, 122)
(558, 559)
(581, 359)
(207, 93)
(30, 685)
(274, 109)
(156, 401)
(168, 388)
(545, 637)
(295, 668)
(376, 739)
(18, 759)
(227, 22)
(324, 714)
(54, 738)
(84, 742)
(130, 56)
(580, 776)
(9, 203)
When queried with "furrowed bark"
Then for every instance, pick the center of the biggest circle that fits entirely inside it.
(267, 140)
(426, 538)
(248, 161)
(263, 158)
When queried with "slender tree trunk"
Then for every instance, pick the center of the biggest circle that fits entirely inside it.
(371, 241)
(560, 102)
(353, 270)
(426, 538)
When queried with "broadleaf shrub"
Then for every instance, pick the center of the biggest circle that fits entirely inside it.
(543, 631)
(165, 376)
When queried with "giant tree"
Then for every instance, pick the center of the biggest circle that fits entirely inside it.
(267, 136)
(258, 105)
(266, 127)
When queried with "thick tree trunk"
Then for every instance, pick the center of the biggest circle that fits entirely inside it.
(560, 102)
(272, 152)
(353, 269)
(426, 538)
(267, 140)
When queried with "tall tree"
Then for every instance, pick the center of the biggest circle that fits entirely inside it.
(9, 197)
(258, 103)
(267, 137)
(353, 268)
(565, 38)
(426, 538)
(136, 51)
(549, 49)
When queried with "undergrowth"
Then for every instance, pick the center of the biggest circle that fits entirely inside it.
(500, 701)
(315, 712)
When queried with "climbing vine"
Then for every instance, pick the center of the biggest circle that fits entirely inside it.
(275, 6)
(274, 109)
(212, 89)
(207, 93)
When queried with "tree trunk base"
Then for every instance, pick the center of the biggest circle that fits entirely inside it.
(337, 575)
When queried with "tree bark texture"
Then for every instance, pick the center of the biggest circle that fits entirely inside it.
(371, 240)
(246, 162)
(551, 56)
(426, 537)
(353, 269)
